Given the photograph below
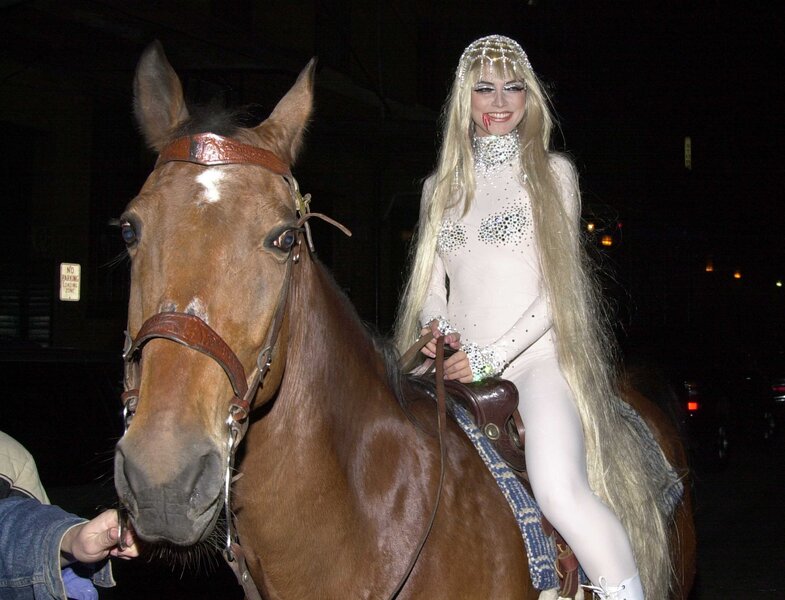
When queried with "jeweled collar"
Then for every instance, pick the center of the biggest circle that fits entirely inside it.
(492, 152)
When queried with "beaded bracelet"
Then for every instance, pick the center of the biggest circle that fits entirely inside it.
(484, 361)
(442, 325)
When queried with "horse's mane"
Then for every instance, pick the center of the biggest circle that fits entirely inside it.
(382, 345)
(390, 356)
(214, 118)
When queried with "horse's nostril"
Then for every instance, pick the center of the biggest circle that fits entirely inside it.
(122, 484)
(195, 478)
(174, 500)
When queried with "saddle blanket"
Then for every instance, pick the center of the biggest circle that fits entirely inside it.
(540, 549)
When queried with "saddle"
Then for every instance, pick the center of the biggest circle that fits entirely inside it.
(493, 404)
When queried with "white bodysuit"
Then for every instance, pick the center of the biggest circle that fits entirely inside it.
(490, 257)
(497, 299)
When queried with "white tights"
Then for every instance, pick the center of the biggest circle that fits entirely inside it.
(556, 462)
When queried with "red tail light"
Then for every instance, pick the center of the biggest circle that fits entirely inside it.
(778, 388)
(693, 396)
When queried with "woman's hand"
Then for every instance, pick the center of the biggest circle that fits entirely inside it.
(457, 367)
(95, 540)
(452, 340)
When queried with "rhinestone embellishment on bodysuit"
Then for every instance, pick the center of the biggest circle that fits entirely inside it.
(492, 152)
(452, 236)
(507, 227)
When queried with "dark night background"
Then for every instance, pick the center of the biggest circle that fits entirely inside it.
(629, 84)
(629, 81)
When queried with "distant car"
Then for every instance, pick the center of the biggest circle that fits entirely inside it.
(778, 389)
(699, 407)
(706, 413)
(777, 395)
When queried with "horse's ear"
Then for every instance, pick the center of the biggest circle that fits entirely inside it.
(158, 96)
(285, 126)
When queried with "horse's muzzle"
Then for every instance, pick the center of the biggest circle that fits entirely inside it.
(183, 506)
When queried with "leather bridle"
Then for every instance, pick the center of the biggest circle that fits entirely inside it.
(208, 149)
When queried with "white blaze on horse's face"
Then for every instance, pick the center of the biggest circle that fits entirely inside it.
(196, 307)
(210, 179)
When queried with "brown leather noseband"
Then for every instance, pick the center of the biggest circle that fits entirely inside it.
(192, 332)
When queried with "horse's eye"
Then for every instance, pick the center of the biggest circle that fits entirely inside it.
(286, 240)
(128, 232)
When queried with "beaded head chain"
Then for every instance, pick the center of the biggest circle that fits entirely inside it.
(493, 51)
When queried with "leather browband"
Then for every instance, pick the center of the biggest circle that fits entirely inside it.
(209, 149)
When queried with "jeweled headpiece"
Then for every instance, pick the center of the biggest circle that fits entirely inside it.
(492, 51)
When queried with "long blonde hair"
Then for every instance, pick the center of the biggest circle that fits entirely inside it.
(618, 470)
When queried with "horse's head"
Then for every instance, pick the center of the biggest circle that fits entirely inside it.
(211, 237)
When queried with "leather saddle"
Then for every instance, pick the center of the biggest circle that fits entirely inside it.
(493, 404)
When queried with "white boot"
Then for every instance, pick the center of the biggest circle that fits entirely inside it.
(629, 589)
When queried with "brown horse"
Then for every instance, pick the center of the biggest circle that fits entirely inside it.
(336, 484)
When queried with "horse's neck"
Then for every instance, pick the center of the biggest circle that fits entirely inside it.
(320, 435)
(334, 382)
(330, 352)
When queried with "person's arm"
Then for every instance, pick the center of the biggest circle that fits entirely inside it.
(94, 540)
(433, 314)
(435, 303)
(33, 537)
(18, 472)
(30, 535)
(490, 360)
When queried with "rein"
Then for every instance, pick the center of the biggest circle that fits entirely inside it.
(441, 414)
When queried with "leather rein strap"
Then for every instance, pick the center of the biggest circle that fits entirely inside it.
(441, 414)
